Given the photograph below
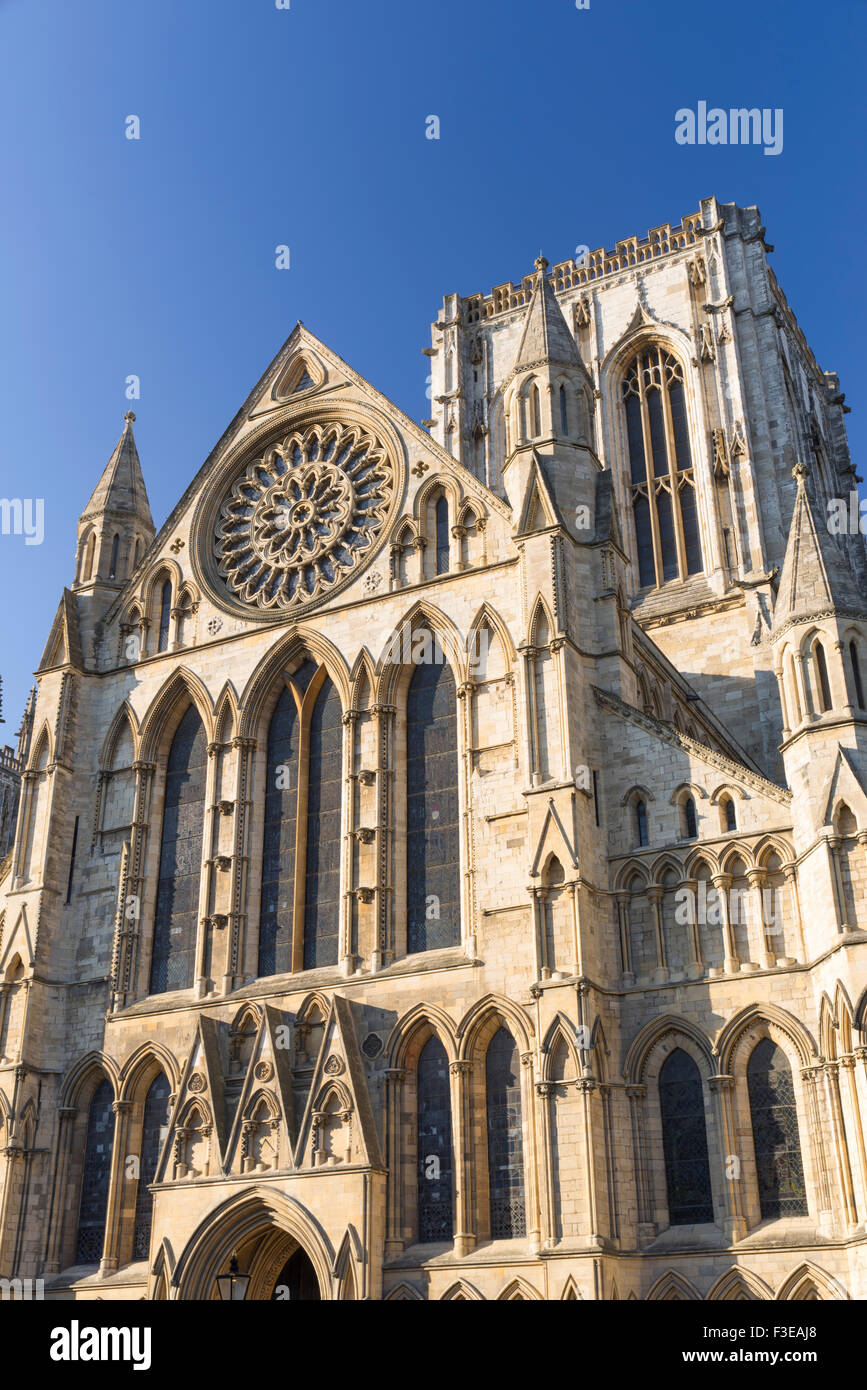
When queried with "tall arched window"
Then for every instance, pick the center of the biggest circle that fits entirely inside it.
(299, 914)
(89, 549)
(663, 477)
(153, 1131)
(441, 518)
(856, 675)
(112, 568)
(95, 1177)
(564, 415)
(641, 822)
(505, 1137)
(165, 616)
(432, 818)
(535, 411)
(322, 860)
(776, 1139)
(434, 1138)
(729, 815)
(824, 688)
(177, 910)
(684, 1141)
(690, 821)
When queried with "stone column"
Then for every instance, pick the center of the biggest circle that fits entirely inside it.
(757, 878)
(461, 1077)
(790, 872)
(546, 1092)
(345, 952)
(646, 1226)
(384, 913)
(810, 1076)
(623, 901)
(841, 1146)
(834, 843)
(847, 1065)
(114, 1207)
(656, 894)
(66, 1117)
(722, 883)
(696, 967)
(722, 1090)
(534, 1234)
(586, 1085)
(240, 887)
(394, 1080)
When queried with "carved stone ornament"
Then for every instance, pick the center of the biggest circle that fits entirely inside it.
(196, 1083)
(334, 1065)
(304, 515)
(263, 1071)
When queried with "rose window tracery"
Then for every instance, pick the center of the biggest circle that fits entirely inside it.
(304, 515)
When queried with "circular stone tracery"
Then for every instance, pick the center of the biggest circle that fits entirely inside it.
(304, 515)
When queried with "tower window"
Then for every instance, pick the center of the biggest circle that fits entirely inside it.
(661, 468)
(165, 616)
(441, 514)
(729, 815)
(535, 411)
(822, 675)
(641, 822)
(690, 821)
(856, 674)
(112, 569)
(564, 416)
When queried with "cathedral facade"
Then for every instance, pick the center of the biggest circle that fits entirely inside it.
(441, 868)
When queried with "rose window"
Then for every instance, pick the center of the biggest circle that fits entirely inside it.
(303, 516)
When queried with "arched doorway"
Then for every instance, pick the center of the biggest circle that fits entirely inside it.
(297, 1280)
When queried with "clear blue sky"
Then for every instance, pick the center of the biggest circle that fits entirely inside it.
(306, 126)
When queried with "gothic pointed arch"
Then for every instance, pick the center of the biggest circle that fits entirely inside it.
(181, 689)
(541, 627)
(518, 1290)
(461, 1292)
(656, 1032)
(803, 1048)
(671, 1287)
(124, 725)
(561, 1031)
(739, 1285)
(422, 1020)
(571, 1292)
(263, 686)
(142, 1066)
(404, 1293)
(810, 1283)
(484, 1017)
(81, 1078)
(397, 660)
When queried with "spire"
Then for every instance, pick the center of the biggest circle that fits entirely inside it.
(121, 490)
(545, 336)
(816, 575)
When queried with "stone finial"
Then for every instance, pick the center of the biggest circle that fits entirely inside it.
(130, 416)
(540, 262)
(800, 472)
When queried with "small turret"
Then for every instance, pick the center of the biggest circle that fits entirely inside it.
(116, 527)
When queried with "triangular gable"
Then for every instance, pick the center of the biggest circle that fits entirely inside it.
(845, 784)
(19, 941)
(201, 1085)
(63, 647)
(339, 1089)
(269, 1075)
(553, 836)
(545, 336)
(537, 511)
(815, 574)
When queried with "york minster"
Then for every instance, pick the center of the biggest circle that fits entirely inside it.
(441, 861)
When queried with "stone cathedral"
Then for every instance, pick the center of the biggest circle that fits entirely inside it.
(441, 863)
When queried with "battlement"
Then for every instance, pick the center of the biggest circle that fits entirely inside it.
(567, 275)
(9, 762)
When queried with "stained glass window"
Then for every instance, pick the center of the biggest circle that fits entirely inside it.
(95, 1177)
(775, 1132)
(153, 1131)
(165, 616)
(435, 1169)
(505, 1137)
(322, 878)
(432, 853)
(278, 859)
(176, 917)
(684, 1141)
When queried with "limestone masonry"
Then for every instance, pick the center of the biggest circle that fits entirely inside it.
(441, 862)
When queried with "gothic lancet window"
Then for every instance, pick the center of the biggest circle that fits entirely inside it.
(96, 1175)
(641, 822)
(684, 1141)
(824, 688)
(535, 411)
(856, 674)
(153, 1130)
(730, 819)
(663, 477)
(432, 841)
(434, 1138)
(690, 822)
(505, 1137)
(176, 916)
(564, 417)
(322, 877)
(112, 568)
(299, 915)
(775, 1132)
(165, 616)
(441, 518)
